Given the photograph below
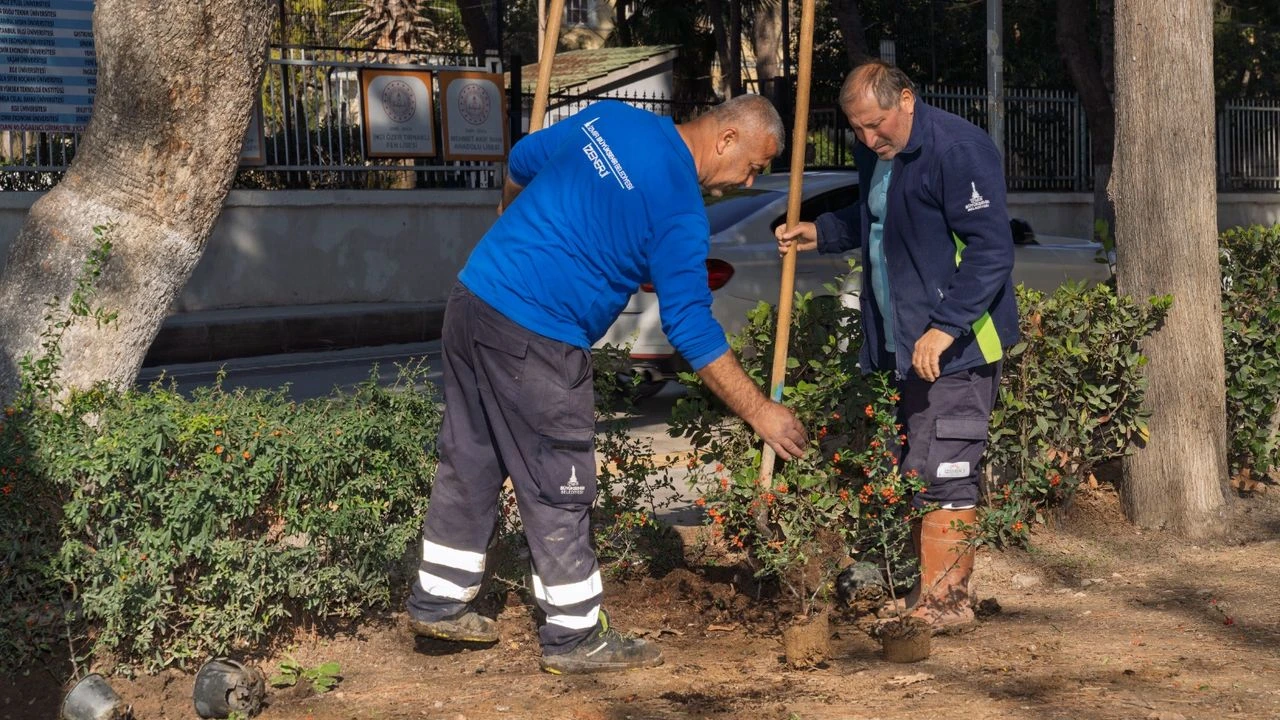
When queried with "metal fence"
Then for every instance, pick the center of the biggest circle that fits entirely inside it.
(313, 129)
(1249, 146)
(313, 132)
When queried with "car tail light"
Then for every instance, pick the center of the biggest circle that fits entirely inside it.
(719, 273)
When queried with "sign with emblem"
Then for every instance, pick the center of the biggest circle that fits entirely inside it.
(399, 119)
(48, 67)
(474, 116)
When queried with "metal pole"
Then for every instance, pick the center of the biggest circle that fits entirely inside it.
(995, 73)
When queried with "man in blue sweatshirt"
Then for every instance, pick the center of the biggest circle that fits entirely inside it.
(937, 302)
(607, 200)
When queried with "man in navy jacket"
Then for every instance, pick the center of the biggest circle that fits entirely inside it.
(937, 302)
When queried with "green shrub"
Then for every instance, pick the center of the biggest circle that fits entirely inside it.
(1070, 399)
(1250, 262)
(197, 526)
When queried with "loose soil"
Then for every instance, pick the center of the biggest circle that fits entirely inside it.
(1099, 621)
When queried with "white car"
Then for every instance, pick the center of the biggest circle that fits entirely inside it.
(743, 266)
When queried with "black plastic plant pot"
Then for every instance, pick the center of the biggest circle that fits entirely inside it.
(224, 686)
(93, 699)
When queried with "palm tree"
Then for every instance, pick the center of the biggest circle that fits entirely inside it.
(390, 25)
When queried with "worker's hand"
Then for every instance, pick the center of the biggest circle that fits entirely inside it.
(804, 235)
(926, 357)
(778, 426)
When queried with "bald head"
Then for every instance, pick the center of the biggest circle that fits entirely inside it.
(878, 77)
(751, 115)
(734, 141)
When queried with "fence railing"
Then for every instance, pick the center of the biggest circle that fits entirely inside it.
(313, 132)
(1249, 146)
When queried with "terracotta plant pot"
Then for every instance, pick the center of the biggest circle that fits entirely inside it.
(905, 640)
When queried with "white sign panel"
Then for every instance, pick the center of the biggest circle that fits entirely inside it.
(473, 112)
(48, 69)
(399, 120)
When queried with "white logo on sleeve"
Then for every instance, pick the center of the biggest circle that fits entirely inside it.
(573, 488)
(976, 201)
(953, 470)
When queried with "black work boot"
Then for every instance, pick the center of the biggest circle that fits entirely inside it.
(468, 626)
(604, 650)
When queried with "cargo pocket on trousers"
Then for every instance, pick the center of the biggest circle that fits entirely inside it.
(565, 468)
(956, 450)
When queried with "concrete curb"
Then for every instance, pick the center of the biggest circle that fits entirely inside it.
(250, 332)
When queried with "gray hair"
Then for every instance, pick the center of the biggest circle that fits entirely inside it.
(752, 113)
(885, 80)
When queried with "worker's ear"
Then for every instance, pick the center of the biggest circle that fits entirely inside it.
(725, 140)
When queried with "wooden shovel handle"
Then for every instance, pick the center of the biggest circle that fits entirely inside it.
(799, 141)
(551, 39)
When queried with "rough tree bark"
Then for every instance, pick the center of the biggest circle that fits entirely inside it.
(1166, 222)
(855, 37)
(766, 44)
(1082, 61)
(176, 85)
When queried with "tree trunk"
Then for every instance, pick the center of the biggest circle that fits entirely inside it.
(475, 20)
(735, 47)
(766, 44)
(1081, 59)
(1166, 219)
(715, 8)
(176, 85)
(855, 36)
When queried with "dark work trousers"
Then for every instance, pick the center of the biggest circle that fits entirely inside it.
(521, 405)
(945, 422)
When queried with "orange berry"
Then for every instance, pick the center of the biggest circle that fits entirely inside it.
(700, 502)
(246, 455)
(217, 433)
(217, 449)
(782, 489)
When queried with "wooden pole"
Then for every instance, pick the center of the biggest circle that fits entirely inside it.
(799, 140)
(549, 43)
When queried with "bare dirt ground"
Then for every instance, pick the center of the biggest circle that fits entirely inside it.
(1097, 621)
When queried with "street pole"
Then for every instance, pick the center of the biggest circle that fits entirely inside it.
(995, 73)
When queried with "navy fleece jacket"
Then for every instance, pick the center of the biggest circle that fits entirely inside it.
(947, 245)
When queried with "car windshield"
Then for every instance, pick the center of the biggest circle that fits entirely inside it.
(735, 205)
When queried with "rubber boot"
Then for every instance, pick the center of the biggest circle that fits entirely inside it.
(946, 562)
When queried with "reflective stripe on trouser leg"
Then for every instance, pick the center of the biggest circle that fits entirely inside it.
(546, 442)
(464, 497)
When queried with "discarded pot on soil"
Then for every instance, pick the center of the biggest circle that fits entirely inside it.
(224, 685)
(92, 698)
(807, 643)
(905, 639)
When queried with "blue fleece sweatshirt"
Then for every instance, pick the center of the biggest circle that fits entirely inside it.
(610, 201)
(947, 245)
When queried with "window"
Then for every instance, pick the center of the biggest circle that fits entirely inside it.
(578, 12)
